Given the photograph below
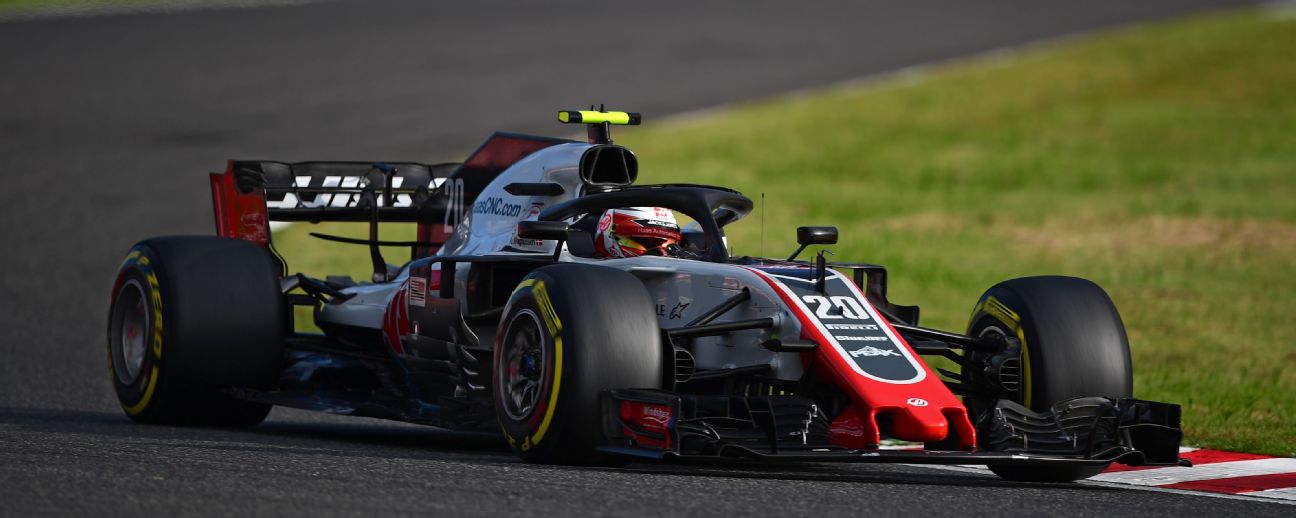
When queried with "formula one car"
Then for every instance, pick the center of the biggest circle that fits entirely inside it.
(551, 298)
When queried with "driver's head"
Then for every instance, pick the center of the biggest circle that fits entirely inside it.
(636, 231)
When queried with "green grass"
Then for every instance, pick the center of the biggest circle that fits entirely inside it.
(1159, 161)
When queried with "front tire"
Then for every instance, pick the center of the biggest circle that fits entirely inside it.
(1073, 345)
(569, 332)
(192, 316)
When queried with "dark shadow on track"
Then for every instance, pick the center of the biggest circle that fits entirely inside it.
(399, 437)
(377, 439)
(844, 473)
(372, 439)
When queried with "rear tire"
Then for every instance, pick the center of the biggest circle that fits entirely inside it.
(569, 332)
(1073, 345)
(192, 316)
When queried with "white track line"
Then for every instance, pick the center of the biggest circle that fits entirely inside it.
(1153, 479)
(1284, 496)
(1245, 497)
(1286, 493)
(1174, 475)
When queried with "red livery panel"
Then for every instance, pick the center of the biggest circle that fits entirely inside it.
(882, 376)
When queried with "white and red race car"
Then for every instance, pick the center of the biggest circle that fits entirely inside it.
(512, 314)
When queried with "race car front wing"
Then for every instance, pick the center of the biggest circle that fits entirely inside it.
(657, 424)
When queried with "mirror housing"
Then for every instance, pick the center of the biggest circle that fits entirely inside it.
(816, 236)
(534, 189)
(807, 236)
(544, 230)
(547, 230)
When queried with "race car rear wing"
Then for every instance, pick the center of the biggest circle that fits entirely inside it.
(250, 194)
(337, 191)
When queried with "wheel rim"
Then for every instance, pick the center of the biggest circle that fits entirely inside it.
(128, 335)
(522, 366)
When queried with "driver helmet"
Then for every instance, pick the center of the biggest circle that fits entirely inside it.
(636, 231)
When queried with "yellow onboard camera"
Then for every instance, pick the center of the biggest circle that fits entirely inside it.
(599, 122)
(598, 117)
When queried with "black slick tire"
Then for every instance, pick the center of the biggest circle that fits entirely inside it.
(1073, 345)
(192, 317)
(569, 332)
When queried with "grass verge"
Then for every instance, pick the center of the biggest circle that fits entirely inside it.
(1159, 161)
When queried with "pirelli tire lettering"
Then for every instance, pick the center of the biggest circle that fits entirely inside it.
(559, 346)
(136, 332)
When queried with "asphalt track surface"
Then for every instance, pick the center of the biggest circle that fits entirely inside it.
(108, 125)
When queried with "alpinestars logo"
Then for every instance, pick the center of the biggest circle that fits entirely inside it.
(869, 350)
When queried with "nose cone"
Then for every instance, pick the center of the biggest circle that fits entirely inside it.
(926, 423)
(857, 427)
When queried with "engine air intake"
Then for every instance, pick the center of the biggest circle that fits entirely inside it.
(609, 165)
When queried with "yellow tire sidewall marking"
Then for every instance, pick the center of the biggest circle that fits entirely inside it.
(148, 394)
(997, 310)
(145, 267)
(554, 326)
